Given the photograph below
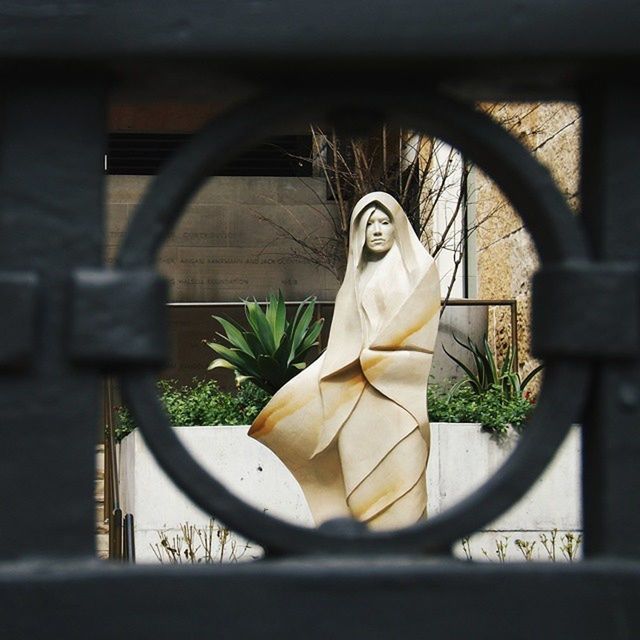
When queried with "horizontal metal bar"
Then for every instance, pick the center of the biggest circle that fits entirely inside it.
(454, 303)
(458, 29)
(586, 310)
(324, 598)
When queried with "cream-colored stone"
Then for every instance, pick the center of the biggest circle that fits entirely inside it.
(223, 248)
(353, 428)
(224, 273)
(117, 218)
(239, 190)
(202, 225)
(494, 265)
(495, 217)
(302, 191)
(557, 146)
(266, 227)
(507, 259)
(126, 189)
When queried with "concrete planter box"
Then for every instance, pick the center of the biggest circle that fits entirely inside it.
(462, 456)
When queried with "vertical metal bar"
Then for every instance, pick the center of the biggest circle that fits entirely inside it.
(111, 479)
(115, 538)
(108, 498)
(129, 539)
(611, 207)
(51, 201)
(513, 308)
(114, 478)
(112, 528)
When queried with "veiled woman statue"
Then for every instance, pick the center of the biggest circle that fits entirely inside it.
(353, 427)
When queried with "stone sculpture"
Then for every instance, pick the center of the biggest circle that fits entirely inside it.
(353, 427)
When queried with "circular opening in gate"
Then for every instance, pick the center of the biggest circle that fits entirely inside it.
(420, 150)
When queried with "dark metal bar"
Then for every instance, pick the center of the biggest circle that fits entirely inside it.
(318, 599)
(114, 512)
(514, 333)
(454, 302)
(611, 435)
(462, 30)
(113, 473)
(108, 429)
(129, 542)
(108, 499)
(115, 534)
(50, 222)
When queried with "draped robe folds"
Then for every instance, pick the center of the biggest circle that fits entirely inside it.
(353, 427)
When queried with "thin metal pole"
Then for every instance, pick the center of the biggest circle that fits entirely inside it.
(107, 507)
(108, 497)
(129, 547)
(115, 535)
(514, 333)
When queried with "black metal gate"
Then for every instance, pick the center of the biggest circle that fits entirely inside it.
(67, 320)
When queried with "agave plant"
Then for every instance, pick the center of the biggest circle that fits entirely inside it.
(487, 373)
(272, 350)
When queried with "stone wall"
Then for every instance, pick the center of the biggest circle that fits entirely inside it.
(224, 247)
(506, 257)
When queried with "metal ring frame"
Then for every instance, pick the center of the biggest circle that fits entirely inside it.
(557, 237)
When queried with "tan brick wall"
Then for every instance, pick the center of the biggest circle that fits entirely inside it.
(223, 249)
(506, 256)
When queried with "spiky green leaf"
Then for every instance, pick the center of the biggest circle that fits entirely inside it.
(220, 363)
(234, 334)
(302, 326)
(260, 325)
(530, 376)
(473, 378)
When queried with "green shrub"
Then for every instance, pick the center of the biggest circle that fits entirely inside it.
(272, 350)
(492, 408)
(202, 403)
(251, 399)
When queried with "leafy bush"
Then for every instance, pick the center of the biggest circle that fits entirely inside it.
(492, 408)
(272, 351)
(488, 374)
(203, 403)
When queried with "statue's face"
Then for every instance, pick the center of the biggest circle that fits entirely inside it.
(380, 232)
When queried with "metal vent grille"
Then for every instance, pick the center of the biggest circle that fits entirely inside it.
(145, 153)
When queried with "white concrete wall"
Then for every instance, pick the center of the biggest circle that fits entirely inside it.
(462, 456)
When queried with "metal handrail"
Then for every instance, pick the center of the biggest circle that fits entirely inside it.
(121, 531)
(453, 302)
(112, 463)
